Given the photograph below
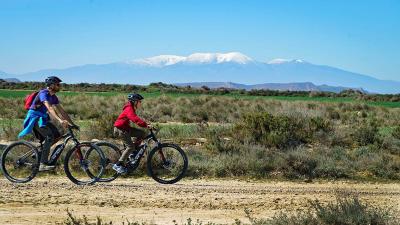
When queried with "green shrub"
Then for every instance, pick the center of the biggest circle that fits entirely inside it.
(385, 166)
(396, 132)
(391, 145)
(215, 142)
(8, 131)
(281, 131)
(299, 164)
(366, 133)
(348, 210)
(102, 127)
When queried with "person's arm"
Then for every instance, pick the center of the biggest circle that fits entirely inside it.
(54, 113)
(134, 118)
(63, 114)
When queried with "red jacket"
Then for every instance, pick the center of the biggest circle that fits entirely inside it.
(128, 114)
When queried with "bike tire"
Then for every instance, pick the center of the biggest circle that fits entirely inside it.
(31, 152)
(112, 155)
(83, 163)
(151, 167)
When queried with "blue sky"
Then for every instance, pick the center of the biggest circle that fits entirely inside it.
(359, 35)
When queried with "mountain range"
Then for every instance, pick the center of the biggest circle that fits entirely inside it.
(232, 67)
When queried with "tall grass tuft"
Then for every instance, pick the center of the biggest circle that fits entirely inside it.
(347, 210)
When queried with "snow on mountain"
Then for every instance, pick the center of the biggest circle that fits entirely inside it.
(196, 58)
(159, 61)
(281, 61)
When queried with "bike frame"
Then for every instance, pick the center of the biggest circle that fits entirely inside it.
(55, 155)
(143, 148)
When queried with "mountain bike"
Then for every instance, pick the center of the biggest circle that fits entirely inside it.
(20, 160)
(167, 163)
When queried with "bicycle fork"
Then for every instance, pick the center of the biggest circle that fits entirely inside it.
(82, 162)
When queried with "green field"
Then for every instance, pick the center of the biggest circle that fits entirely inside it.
(5, 93)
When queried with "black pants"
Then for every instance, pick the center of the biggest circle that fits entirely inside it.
(48, 135)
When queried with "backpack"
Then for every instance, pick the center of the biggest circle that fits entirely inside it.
(29, 99)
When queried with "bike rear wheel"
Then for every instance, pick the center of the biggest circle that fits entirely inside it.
(167, 163)
(112, 154)
(20, 162)
(82, 168)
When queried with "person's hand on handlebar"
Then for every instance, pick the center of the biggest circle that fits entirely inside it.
(74, 126)
(64, 123)
(150, 127)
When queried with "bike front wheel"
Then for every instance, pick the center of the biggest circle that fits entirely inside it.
(82, 168)
(20, 162)
(167, 163)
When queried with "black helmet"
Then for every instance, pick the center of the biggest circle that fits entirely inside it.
(134, 97)
(52, 80)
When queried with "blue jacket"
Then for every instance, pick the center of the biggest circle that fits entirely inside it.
(31, 119)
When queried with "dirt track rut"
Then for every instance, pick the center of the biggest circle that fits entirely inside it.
(45, 200)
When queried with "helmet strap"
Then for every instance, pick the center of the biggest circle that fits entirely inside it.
(52, 92)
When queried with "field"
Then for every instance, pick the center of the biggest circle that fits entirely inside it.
(4, 93)
(264, 153)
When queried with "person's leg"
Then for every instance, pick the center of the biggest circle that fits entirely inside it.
(48, 136)
(139, 134)
(126, 137)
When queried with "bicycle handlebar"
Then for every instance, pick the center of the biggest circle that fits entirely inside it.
(75, 127)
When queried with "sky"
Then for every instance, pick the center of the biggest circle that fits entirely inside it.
(361, 36)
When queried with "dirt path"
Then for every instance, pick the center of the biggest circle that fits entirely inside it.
(45, 200)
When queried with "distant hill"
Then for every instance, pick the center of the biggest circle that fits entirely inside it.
(5, 76)
(306, 86)
(14, 80)
(232, 67)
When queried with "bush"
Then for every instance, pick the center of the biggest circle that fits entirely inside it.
(102, 127)
(347, 210)
(367, 133)
(333, 162)
(385, 166)
(396, 132)
(281, 131)
(8, 131)
(299, 164)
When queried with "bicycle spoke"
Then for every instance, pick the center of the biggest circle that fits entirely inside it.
(112, 155)
(167, 164)
(84, 168)
(20, 162)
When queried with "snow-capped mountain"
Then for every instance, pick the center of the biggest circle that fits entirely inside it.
(196, 58)
(215, 67)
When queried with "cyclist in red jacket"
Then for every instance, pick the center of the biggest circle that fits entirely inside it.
(126, 132)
